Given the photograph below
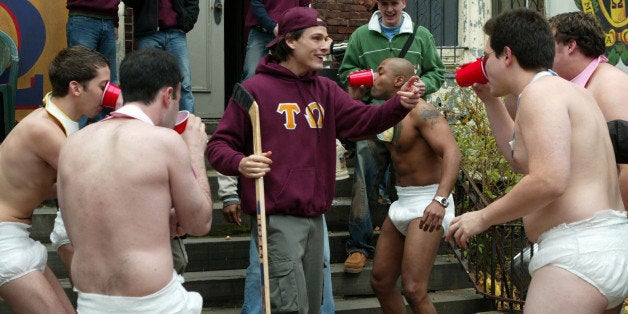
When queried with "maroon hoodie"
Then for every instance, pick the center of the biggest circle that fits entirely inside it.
(300, 119)
(100, 8)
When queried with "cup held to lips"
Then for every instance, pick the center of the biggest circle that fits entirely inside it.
(470, 73)
(359, 78)
(110, 95)
(182, 121)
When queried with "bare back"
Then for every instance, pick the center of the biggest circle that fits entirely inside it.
(117, 210)
(28, 165)
(562, 145)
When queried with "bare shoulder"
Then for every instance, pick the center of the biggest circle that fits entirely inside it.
(608, 86)
(425, 111)
(39, 127)
(544, 92)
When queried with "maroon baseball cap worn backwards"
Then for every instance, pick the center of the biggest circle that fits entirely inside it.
(295, 19)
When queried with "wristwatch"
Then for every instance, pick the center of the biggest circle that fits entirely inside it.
(443, 201)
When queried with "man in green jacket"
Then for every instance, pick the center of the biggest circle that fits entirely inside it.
(383, 37)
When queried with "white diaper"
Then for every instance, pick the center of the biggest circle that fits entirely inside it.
(173, 298)
(411, 205)
(593, 249)
(19, 254)
(59, 236)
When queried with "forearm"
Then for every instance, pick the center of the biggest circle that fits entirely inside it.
(260, 13)
(527, 196)
(449, 172)
(501, 125)
(228, 189)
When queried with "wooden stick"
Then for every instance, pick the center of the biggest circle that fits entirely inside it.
(244, 99)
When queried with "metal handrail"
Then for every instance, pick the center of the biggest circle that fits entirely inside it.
(497, 272)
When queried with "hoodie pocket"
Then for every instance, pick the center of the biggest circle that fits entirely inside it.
(283, 286)
(301, 191)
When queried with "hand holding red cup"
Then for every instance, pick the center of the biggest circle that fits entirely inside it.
(361, 78)
(110, 96)
(182, 121)
(470, 73)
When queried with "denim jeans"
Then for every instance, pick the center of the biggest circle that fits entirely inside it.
(175, 42)
(96, 34)
(371, 160)
(252, 295)
(255, 51)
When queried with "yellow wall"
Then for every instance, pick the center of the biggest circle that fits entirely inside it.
(22, 15)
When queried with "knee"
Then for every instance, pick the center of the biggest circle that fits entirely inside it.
(415, 292)
(381, 284)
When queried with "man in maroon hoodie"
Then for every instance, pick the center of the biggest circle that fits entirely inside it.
(301, 114)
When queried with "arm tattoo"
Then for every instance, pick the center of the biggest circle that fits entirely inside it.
(430, 114)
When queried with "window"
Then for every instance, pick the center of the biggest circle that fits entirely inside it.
(439, 16)
(500, 6)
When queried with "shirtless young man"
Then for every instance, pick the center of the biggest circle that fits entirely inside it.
(569, 196)
(28, 172)
(118, 182)
(580, 47)
(426, 161)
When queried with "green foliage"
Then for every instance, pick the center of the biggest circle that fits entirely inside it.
(480, 156)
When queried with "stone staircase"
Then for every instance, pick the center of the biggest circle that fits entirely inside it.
(217, 264)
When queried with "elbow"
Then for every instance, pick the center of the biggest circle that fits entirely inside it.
(203, 223)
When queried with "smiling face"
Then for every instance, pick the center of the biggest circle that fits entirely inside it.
(391, 11)
(309, 50)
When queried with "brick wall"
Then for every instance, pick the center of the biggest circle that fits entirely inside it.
(342, 16)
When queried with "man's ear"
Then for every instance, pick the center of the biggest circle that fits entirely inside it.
(75, 88)
(399, 81)
(167, 95)
(290, 42)
(508, 55)
(572, 44)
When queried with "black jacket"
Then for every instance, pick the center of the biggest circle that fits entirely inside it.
(146, 19)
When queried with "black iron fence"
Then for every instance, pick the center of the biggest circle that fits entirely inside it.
(496, 260)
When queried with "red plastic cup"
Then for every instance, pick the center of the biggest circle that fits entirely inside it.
(471, 72)
(110, 96)
(182, 121)
(359, 78)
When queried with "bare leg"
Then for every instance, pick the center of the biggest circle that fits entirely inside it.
(623, 183)
(66, 252)
(58, 290)
(555, 290)
(418, 258)
(33, 293)
(387, 267)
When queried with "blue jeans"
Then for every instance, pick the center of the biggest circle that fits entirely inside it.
(255, 51)
(96, 34)
(252, 295)
(371, 160)
(175, 42)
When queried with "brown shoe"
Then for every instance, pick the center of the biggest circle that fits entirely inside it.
(355, 262)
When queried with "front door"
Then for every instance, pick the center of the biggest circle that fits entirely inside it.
(206, 45)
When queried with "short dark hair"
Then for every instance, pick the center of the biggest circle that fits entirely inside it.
(528, 35)
(582, 27)
(144, 72)
(76, 63)
(281, 51)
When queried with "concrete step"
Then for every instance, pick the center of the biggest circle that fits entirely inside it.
(224, 287)
(218, 253)
(337, 219)
(460, 301)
